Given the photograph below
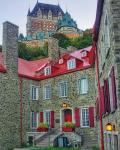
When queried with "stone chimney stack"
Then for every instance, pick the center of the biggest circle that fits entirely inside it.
(10, 46)
(71, 49)
(53, 49)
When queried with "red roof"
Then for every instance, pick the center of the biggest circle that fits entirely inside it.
(35, 69)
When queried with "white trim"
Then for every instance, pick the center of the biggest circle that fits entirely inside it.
(83, 108)
(44, 92)
(73, 62)
(37, 92)
(61, 116)
(44, 115)
(79, 85)
(63, 82)
(37, 119)
(47, 72)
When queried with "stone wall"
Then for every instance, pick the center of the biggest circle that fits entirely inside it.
(112, 57)
(55, 103)
(9, 91)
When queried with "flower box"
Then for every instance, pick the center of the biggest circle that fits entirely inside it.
(67, 129)
(42, 129)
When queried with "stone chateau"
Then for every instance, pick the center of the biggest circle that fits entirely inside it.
(44, 21)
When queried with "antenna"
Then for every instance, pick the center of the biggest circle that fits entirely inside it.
(58, 2)
(66, 7)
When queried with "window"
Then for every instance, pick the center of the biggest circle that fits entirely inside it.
(83, 86)
(47, 71)
(84, 54)
(71, 64)
(63, 89)
(84, 117)
(47, 91)
(34, 92)
(107, 36)
(34, 120)
(47, 117)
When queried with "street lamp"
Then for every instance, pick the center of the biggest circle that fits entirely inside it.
(109, 127)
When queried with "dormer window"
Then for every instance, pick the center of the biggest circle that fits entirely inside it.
(84, 54)
(47, 70)
(61, 61)
(71, 64)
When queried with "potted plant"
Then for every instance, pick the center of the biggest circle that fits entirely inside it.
(68, 127)
(43, 127)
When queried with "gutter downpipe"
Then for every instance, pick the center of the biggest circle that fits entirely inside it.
(99, 95)
(21, 110)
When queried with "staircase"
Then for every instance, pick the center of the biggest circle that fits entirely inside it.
(47, 139)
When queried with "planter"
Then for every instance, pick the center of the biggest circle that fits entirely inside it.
(67, 129)
(42, 129)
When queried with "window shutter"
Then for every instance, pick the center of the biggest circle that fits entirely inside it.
(52, 119)
(41, 117)
(102, 104)
(112, 74)
(77, 117)
(97, 108)
(107, 96)
(91, 117)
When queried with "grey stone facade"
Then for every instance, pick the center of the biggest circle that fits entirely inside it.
(109, 55)
(16, 104)
(9, 91)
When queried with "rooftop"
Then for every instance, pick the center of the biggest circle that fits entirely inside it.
(35, 69)
(45, 8)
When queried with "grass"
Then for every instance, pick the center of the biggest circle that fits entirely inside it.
(53, 148)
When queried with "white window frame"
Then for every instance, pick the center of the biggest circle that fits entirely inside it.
(45, 119)
(80, 91)
(84, 126)
(71, 64)
(45, 91)
(37, 120)
(60, 90)
(34, 94)
(47, 70)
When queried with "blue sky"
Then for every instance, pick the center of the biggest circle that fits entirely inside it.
(83, 12)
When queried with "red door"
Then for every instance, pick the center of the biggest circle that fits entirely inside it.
(67, 115)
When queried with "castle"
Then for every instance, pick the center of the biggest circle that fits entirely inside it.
(44, 21)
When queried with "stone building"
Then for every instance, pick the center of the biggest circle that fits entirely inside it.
(107, 39)
(49, 101)
(44, 21)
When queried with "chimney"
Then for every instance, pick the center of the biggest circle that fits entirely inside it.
(53, 49)
(71, 49)
(10, 46)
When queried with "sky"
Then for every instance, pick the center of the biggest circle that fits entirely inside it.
(15, 11)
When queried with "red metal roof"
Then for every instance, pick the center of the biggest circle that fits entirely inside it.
(35, 69)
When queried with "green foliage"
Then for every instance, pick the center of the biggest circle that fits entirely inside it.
(33, 53)
(69, 125)
(54, 148)
(64, 41)
(30, 53)
(79, 42)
